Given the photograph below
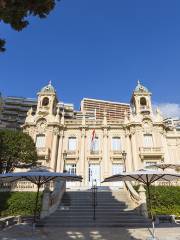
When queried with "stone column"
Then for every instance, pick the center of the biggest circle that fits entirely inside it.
(60, 160)
(81, 163)
(128, 160)
(164, 145)
(105, 146)
(53, 162)
(105, 153)
(134, 150)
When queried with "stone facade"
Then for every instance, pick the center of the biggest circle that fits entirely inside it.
(98, 148)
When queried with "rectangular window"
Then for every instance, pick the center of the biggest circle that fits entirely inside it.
(40, 141)
(72, 144)
(71, 168)
(95, 145)
(116, 144)
(148, 140)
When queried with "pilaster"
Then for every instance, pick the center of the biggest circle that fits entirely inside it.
(53, 162)
(60, 160)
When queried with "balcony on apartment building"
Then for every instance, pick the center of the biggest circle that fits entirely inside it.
(150, 152)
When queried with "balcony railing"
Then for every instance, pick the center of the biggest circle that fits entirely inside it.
(144, 108)
(43, 152)
(72, 155)
(116, 152)
(151, 151)
(93, 152)
(71, 152)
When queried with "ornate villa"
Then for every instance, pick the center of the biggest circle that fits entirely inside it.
(103, 138)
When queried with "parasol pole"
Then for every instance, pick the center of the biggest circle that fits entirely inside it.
(150, 211)
(36, 202)
(149, 198)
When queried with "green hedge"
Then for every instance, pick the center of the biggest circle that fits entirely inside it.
(165, 200)
(18, 203)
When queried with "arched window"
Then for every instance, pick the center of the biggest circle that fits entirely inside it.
(45, 101)
(40, 141)
(143, 101)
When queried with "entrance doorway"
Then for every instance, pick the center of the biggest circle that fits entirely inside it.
(94, 174)
(117, 169)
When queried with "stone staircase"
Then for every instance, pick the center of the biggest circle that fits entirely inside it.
(114, 209)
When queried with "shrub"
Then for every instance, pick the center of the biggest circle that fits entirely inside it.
(18, 203)
(165, 200)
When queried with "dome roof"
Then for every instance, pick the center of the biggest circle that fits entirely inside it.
(141, 88)
(48, 89)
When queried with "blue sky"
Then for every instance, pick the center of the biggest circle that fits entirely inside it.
(97, 49)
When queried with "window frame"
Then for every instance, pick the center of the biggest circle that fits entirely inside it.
(38, 146)
(115, 148)
(68, 144)
(145, 145)
(95, 147)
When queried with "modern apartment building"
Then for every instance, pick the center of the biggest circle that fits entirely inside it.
(114, 110)
(13, 111)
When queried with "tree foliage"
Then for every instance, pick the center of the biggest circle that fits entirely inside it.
(16, 149)
(16, 13)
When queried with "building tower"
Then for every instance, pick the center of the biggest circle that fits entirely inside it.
(47, 101)
(141, 100)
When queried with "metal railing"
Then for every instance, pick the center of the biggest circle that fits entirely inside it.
(94, 200)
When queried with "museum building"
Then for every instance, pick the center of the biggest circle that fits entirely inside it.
(103, 138)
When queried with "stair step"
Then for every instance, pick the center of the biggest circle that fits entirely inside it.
(114, 209)
(94, 224)
(112, 217)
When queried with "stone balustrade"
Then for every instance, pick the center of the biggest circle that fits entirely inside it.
(138, 198)
(22, 186)
(51, 200)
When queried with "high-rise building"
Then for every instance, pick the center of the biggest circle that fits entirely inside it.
(114, 110)
(14, 111)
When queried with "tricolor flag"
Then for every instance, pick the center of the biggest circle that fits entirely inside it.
(92, 139)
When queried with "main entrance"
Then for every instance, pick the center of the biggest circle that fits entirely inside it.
(117, 169)
(94, 174)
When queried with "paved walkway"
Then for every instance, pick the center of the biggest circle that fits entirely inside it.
(24, 232)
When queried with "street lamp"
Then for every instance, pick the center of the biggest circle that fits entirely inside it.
(64, 158)
(124, 159)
